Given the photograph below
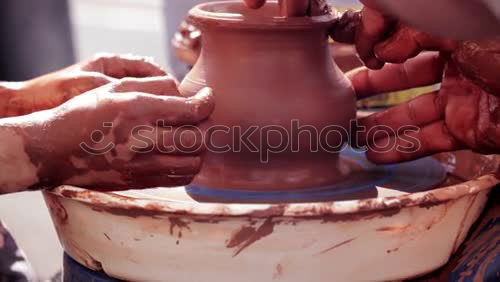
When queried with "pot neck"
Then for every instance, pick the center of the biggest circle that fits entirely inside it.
(308, 46)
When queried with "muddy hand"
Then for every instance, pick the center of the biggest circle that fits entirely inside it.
(380, 38)
(132, 133)
(53, 89)
(463, 114)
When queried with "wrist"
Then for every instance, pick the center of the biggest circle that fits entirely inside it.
(18, 171)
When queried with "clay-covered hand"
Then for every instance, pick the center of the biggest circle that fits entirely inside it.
(461, 20)
(53, 89)
(463, 114)
(132, 133)
(380, 38)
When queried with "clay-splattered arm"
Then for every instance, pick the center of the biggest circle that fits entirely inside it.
(128, 134)
(53, 89)
(17, 172)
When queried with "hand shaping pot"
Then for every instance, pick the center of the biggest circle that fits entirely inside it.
(282, 105)
(139, 237)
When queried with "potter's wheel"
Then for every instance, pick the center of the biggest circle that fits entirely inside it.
(159, 233)
(365, 181)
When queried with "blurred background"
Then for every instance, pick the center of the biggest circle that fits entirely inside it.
(40, 36)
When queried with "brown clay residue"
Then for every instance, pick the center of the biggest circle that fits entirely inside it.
(392, 250)
(120, 196)
(81, 255)
(70, 193)
(462, 223)
(278, 272)
(240, 236)
(438, 216)
(176, 222)
(273, 210)
(107, 236)
(207, 219)
(394, 228)
(149, 210)
(386, 228)
(91, 195)
(57, 210)
(364, 215)
(133, 212)
(336, 246)
(248, 235)
(125, 209)
(429, 200)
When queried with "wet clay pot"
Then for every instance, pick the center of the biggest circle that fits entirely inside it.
(282, 105)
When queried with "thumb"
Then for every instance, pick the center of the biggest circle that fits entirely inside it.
(406, 42)
(120, 66)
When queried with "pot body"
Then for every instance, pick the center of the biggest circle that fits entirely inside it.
(282, 105)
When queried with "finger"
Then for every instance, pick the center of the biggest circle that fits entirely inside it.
(160, 85)
(124, 66)
(431, 139)
(418, 112)
(372, 29)
(169, 109)
(185, 140)
(82, 83)
(255, 4)
(143, 171)
(406, 42)
(426, 69)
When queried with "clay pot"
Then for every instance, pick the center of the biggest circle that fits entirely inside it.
(274, 79)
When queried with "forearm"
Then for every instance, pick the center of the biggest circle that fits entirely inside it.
(17, 170)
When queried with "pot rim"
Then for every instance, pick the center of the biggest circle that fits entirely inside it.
(203, 14)
(120, 204)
